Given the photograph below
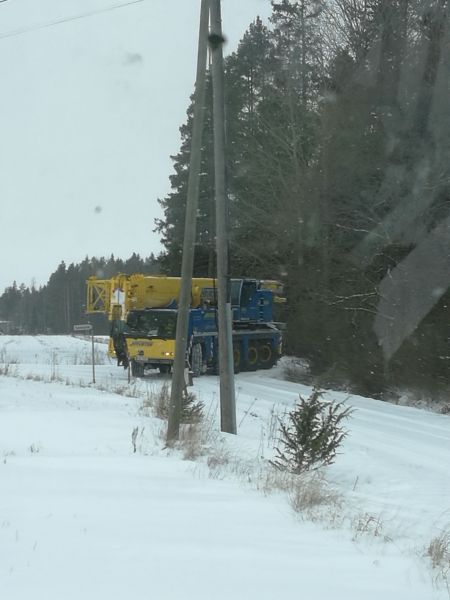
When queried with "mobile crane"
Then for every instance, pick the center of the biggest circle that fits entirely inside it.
(143, 314)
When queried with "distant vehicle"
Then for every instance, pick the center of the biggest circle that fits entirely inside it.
(143, 312)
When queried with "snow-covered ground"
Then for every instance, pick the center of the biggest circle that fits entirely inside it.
(83, 516)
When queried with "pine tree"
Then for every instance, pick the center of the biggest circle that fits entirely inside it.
(171, 227)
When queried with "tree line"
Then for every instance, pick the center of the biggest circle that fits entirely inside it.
(61, 303)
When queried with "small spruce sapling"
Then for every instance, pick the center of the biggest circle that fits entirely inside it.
(191, 408)
(312, 435)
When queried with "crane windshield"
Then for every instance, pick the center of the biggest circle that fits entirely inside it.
(152, 323)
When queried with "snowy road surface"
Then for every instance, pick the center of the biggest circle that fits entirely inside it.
(82, 516)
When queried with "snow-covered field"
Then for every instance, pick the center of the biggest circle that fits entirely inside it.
(84, 517)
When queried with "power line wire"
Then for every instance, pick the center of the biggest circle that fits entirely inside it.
(66, 19)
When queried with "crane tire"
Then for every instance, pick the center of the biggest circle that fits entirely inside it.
(251, 360)
(265, 356)
(196, 360)
(137, 370)
(237, 358)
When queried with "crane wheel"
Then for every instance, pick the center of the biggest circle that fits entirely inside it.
(251, 360)
(237, 358)
(197, 360)
(265, 356)
(137, 370)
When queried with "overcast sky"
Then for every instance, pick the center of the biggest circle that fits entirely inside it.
(89, 116)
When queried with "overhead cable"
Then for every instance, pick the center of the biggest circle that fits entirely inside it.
(66, 19)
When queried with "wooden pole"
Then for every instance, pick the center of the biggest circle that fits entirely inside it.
(226, 366)
(178, 381)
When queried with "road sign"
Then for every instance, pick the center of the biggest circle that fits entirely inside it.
(83, 327)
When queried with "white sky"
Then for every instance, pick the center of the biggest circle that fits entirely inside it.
(89, 116)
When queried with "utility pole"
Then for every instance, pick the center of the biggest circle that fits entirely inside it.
(178, 382)
(226, 364)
